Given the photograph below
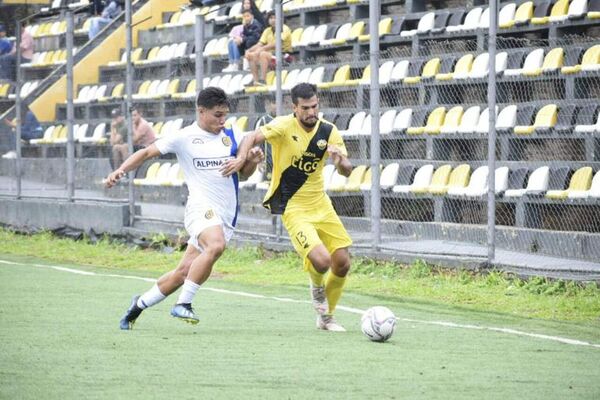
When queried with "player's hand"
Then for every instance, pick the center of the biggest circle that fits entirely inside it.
(232, 166)
(335, 153)
(112, 179)
(255, 155)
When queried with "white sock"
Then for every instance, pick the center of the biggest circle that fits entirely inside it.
(151, 297)
(188, 291)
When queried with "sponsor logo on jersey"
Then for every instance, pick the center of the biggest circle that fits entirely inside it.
(321, 144)
(210, 163)
(197, 141)
(305, 165)
(226, 141)
(209, 214)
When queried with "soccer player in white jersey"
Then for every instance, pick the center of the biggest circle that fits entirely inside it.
(207, 153)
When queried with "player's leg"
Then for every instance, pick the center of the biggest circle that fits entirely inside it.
(166, 284)
(265, 59)
(212, 241)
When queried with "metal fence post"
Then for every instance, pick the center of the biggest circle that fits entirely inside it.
(374, 100)
(70, 114)
(491, 195)
(18, 116)
(199, 43)
(128, 104)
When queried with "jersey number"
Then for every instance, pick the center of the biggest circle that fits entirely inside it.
(302, 239)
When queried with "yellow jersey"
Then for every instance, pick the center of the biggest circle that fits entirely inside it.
(268, 37)
(298, 160)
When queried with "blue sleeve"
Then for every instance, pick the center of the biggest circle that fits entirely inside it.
(31, 127)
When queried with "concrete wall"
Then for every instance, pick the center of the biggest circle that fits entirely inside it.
(52, 214)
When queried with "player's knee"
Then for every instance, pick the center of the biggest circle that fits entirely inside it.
(216, 248)
(321, 262)
(342, 268)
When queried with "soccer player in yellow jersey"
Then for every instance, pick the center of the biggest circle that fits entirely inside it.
(301, 143)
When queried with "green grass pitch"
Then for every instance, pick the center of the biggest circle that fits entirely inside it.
(59, 339)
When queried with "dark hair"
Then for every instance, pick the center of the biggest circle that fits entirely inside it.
(303, 90)
(247, 11)
(270, 14)
(212, 97)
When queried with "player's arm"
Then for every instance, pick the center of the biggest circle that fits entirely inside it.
(235, 165)
(132, 162)
(341, 162)
(255, 157)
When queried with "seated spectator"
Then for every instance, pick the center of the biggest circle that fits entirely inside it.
(260, 55)
(8, 62)
(110, 12)
(30, 129)
(258, 15)
(118, 137)
(5, 44)
(251, 31)
(143, 135)
(97, 7)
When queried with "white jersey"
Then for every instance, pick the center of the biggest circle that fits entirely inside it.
(201, 154)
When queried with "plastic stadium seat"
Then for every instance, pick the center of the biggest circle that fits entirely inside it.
(545, 119)
(338, 182)
(430, 69)
(420, 182)
(537, 183)
(581, 181)
(521, 16)
(342, 75)
(400, 70)
(45, 137)
(588, 114)
(483, 123)
(306, 37)
(386, 122)
(593, 192)
(385, 72)
(507, 118)
(389, 176)
(589, 62)
(476, 186)
(506, 16)
(403, 120)
(454, 19)
(365, 184)
(452, 120)
(577, 10)
(150, 174)
(433, 125)
(366, 126)
(517, 179)
(593, 9)
(355, 125)
(341, 35)
(316, 75)
(559, 9)
(462, 68)
(553, 62)
(533, 62)
(469, 120)
(501, 180)
(471, 21)
(484, 20)
(458, 180)
(439, 181)
(384, 27)
(425, 24)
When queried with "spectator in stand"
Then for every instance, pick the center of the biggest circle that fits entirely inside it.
(258, 15)
(251, 31)
(110, 12)
(143, 135)
(118, 138)
(30, 129)
(5, 44)
(261, 54)
(97, 7)
(8, 62)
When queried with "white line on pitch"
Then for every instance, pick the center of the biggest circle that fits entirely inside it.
(344, 308)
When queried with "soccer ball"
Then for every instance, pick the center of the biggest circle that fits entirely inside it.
(378, 323)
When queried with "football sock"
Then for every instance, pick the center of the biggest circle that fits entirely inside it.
(151, 297)
(333, 290)
(315, 276)
(188, 291)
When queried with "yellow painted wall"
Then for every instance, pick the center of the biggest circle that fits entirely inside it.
(87, 70)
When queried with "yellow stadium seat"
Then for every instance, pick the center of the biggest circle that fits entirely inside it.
(433, 125)
(356, 177)
(459, 178)
(150, 174)
(462, 66)
(342, 75)
(430, 69)
(590, 58)
(580, 181)
(552, 62)
(523, 14)
(296, 36)
(439, 179)
(560, 8)
(384, 28)
(545, 118)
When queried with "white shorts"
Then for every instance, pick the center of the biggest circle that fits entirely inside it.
(199, 217)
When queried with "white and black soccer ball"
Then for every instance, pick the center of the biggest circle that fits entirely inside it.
(378, 323)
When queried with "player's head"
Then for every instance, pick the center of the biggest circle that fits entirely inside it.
(212, 107)
(306, 104)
